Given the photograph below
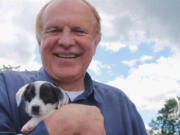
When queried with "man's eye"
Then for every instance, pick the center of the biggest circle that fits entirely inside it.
(53, 30)
(79, 31)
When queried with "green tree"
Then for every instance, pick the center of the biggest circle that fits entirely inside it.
(152, 132)
(163, 123)
(8, 67)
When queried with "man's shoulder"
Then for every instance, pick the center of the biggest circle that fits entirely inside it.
(106, 89)
(10, 74)
(112, 95)
(18, 78)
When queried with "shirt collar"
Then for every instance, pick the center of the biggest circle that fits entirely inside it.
(45, 77)
(89, 87)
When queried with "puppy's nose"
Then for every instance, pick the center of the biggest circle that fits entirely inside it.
(35, 109)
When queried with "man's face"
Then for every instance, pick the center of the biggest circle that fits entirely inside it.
(68, 40)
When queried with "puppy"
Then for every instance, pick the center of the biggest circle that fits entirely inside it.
(41, 99)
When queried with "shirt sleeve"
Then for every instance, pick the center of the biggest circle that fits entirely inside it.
(6, 124)
(137, 122)
(8, 120)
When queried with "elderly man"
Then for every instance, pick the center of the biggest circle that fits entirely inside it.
(68, 32)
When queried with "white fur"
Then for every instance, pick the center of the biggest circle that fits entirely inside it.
(45, 109)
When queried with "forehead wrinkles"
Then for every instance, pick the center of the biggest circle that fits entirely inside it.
(78, 7)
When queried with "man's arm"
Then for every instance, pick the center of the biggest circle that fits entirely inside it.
(9, 124)
(69, 120)
(74, 119)
(6, 124)
(137, 122)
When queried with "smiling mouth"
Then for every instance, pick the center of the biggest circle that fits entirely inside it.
(68, 56)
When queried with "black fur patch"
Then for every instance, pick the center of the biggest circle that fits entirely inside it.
(50, 94)
(29, 93)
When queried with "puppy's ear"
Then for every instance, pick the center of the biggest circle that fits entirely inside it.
(20, 93)
(66, 98)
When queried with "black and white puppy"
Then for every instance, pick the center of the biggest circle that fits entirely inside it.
(41, 99)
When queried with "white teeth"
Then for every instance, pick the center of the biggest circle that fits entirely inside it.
(67, 56)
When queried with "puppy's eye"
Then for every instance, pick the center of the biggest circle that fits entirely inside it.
(29, 93)
(29, 96)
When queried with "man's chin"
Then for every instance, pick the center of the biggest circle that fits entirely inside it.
(67, 76)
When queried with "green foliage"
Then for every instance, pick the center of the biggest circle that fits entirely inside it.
(8, 67)
(163, 124)
(152, 132)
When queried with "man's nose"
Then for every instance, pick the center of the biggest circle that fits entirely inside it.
(66, 39)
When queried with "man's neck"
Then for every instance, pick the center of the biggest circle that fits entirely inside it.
(72, 86)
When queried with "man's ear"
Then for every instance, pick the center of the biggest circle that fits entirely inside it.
(96, 42)
(97, 39)
(38, 38)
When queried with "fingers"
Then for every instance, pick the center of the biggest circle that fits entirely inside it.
(76, 119)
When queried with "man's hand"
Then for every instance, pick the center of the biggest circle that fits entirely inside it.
(76, 119)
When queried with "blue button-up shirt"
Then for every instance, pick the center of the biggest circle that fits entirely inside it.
(120, 114)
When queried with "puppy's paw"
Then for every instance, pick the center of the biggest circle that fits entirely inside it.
(27, 128)
(30, 125)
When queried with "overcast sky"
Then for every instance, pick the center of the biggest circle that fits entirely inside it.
(139, 52)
